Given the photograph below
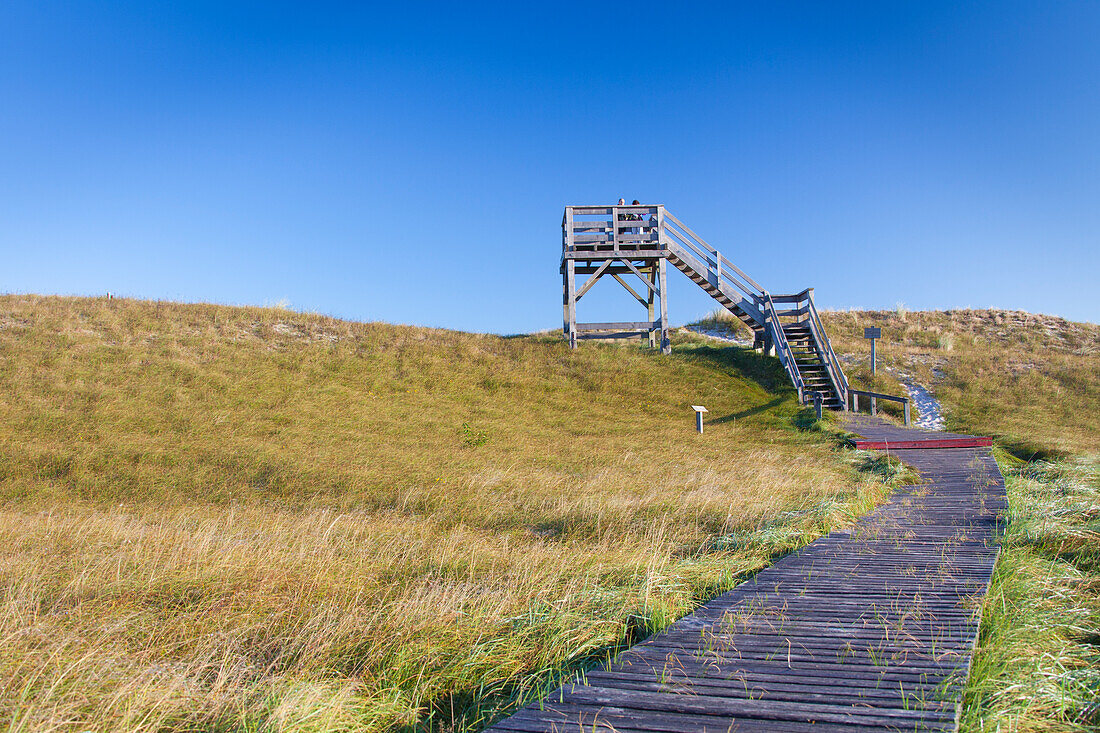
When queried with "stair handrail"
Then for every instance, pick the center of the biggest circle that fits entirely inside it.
(832, 363)
(757, 286)
(717, 265)
(782, 347)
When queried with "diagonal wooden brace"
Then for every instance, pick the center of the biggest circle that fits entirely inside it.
(592, 280)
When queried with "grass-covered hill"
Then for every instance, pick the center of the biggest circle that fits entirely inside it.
(252, 519)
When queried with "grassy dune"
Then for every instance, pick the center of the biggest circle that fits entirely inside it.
(252, 519)
(1031, 380)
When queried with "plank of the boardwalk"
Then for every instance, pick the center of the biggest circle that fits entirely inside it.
(730, 668)
(777, 692)
(563, 717)
(766, 686)
(698, 704)
(576, 717)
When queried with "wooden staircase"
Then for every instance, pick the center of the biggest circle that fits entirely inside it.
(811, 364)
(730, 303)
(632, 238)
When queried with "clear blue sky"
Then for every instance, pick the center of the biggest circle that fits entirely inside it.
(409, 162)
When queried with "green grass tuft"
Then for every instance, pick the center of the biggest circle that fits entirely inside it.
(1037, 665)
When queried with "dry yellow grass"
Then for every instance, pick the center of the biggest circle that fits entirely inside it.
(252, 519)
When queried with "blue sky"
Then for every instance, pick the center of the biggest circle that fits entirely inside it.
(409, 162)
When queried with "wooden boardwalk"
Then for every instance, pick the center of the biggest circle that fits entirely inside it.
(866, 629)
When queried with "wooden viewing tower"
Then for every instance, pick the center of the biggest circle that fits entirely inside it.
(631, 246)
(641, 241)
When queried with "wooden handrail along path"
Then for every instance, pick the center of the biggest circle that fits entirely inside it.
(624, 242)
(866, 629)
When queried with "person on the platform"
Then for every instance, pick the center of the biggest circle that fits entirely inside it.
(623, 217)
(635, 217)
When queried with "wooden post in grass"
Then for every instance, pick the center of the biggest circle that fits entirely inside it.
(699, 410)
(817, 404)
(651, 272)
(569, 277)
(662, 267)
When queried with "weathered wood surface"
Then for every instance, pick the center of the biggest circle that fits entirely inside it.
(869, 628)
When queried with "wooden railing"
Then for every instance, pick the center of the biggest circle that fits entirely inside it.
(611, 228)
(782, 347)
(806, 311)
(631, 229)
(821, 338)
(855, 393)
(719, 269)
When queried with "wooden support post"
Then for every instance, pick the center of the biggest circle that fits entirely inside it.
(907, 420)
(855, 402)
(817, 404)
(874, 406)
(570, 287)
(652, 273)
(662, 287)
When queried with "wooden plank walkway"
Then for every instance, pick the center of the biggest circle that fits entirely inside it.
(866, 629)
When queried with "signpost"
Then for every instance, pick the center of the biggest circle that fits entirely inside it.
(699, 410)
(873, 333)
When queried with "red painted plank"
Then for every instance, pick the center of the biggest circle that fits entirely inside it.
(917, 444)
